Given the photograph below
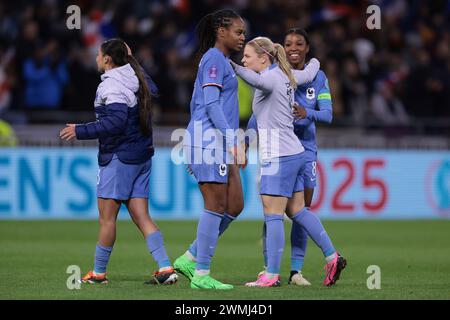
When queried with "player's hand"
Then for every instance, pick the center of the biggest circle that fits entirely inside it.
(68, 133)
(298, 111)
(189, 169)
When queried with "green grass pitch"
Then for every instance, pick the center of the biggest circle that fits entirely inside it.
(414, 257)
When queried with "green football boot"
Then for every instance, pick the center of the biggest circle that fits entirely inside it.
(184, 266)
(206, 282)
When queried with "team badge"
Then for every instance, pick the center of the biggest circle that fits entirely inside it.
(222, 169)
(310, 93)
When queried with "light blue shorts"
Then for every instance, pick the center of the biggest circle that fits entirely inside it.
(215, 171)
(279, 176)
(307, 177)
(122, 181)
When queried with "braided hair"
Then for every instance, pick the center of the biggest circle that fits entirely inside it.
(207, 27)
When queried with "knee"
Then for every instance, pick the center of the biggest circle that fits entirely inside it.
(235, 208)
(107, 223)
(294, 208)
(218, 206)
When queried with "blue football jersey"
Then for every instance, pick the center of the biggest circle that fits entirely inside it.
(213, 70)
(316, 98)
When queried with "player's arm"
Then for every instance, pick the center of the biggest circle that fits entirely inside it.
(259, 81)
(212, 77)
(324, 104)
(309, 73)
(113, 123)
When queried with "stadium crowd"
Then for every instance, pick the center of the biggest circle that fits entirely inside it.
(396, 76)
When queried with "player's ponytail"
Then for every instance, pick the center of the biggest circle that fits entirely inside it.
(206, 29)
(118, 51)
(275, 52)
(284, 64)
(144, 97)
(205, 33)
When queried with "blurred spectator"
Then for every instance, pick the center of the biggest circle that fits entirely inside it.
(6, 78)
(386, 107)
(411, 51)
(45, 76)
(354, 91)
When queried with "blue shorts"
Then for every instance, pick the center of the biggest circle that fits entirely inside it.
(211, 170)
(307, 177)
(279, 176)
(121, 181)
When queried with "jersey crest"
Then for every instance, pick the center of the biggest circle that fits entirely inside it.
(310, 93)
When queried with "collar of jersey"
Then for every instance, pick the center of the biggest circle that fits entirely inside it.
(220, 51)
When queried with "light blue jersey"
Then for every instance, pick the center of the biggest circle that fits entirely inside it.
(214, 70)
(316, 99)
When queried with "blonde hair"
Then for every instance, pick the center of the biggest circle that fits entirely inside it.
(276, 53)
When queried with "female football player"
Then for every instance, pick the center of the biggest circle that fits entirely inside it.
(313, 104)
(214, 106)
(123, 105)
(267, 69)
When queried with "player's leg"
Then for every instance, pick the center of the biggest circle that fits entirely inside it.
(313, 226)
(235, 205)
(309, 193)
(137, 182)
(215, 198)
(299, 237)
(139, 212)
(212, 180)
(299, 241)
(274, 207)
(278, 177)
(310, 177)
(108, 211)
(235, 193)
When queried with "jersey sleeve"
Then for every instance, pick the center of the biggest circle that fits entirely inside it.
(309, 73)
(213, 71)
(113, 123)
(325, 112)
(262, 82)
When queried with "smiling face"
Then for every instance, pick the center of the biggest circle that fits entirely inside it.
(233, 37)
(253, 60)
(296, 49)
